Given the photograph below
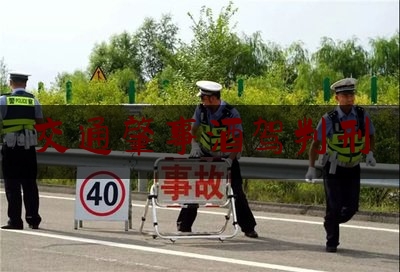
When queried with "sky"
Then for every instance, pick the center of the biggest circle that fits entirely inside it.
(48, 37)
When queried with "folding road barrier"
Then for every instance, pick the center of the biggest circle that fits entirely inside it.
(182, 182)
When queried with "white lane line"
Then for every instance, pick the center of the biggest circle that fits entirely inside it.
(169, 252)
(306, 222)
(263, 217)
(257, 217)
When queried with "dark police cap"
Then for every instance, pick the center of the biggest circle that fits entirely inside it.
(346, 85)
(18, 76)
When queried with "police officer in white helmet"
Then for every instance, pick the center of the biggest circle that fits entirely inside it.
(213, 108)
(341, 163)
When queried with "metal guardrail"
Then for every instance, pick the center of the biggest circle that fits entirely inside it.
(134, 109)
(381, 176)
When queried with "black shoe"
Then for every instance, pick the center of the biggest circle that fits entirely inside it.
(184, 230)
(9, 226)
(34, 226)
(331, 249)
(181, 228)
(251, 234)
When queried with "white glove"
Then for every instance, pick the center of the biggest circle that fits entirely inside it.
(311, 174)
(229, 161)
(196, 151)
(370, 160)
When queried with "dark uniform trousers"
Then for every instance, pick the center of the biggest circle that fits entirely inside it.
(342, 192)
(19, 167)
(245, 217)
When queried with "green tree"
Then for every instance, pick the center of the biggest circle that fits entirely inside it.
(64, 77)
(256, 57)
(4, 88)
(120, 53)
(86, 92)
(310, 81)
(215, 50)
(347, 57)
(123, 77)
(296, 57)
(274, 55)
(385, 56)
(155, 40)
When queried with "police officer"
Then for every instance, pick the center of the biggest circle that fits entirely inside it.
(19, 111)
(341, 163)
(214, 108)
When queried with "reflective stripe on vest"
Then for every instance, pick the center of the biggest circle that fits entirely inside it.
(344, 154)
(20, 113)
(209, 140)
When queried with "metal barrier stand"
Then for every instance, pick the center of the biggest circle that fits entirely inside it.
(216, 179)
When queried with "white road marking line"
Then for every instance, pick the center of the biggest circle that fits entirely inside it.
(257, 217)
(168, 252)
(264, 218)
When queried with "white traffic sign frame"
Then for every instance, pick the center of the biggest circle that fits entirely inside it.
(102, 194)
(191, 181)
(179, 182)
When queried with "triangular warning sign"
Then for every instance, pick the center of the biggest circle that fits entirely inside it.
(98, 75)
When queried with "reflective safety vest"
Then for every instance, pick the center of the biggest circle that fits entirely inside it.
(210, 138)
(20, 113)
(344, 154)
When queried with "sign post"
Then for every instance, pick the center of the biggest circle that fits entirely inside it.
(103, 195)
(327, 90)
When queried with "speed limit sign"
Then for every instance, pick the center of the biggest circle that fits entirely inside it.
(102, 194)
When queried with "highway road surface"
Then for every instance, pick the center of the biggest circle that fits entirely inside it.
(287, 243)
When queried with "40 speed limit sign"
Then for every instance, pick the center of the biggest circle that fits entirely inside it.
(102, 194)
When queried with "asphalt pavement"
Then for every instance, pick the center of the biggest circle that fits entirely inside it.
(287, 242)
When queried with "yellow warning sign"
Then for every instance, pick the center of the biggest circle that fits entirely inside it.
(98, 75)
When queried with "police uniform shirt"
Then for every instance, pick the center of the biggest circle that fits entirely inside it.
(19, 91)
(216, 116)
(342, 118)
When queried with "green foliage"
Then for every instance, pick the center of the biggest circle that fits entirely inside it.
(379, 199)
(286, 192)
(375, 199)
(156, 42)
(63, 78)
(50, 97)
(214, 52)
(310, 80)
(385, 57)
(346, 57)
(255, 56)
(122, 79)
(4, 88)
(158, 94)
(388, 90)
(120, 53)
(85, 92)
(387, 136)
(98, 93)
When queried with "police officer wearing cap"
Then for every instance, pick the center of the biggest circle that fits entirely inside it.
(19, 112)
(214, 108)
(341, 164)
